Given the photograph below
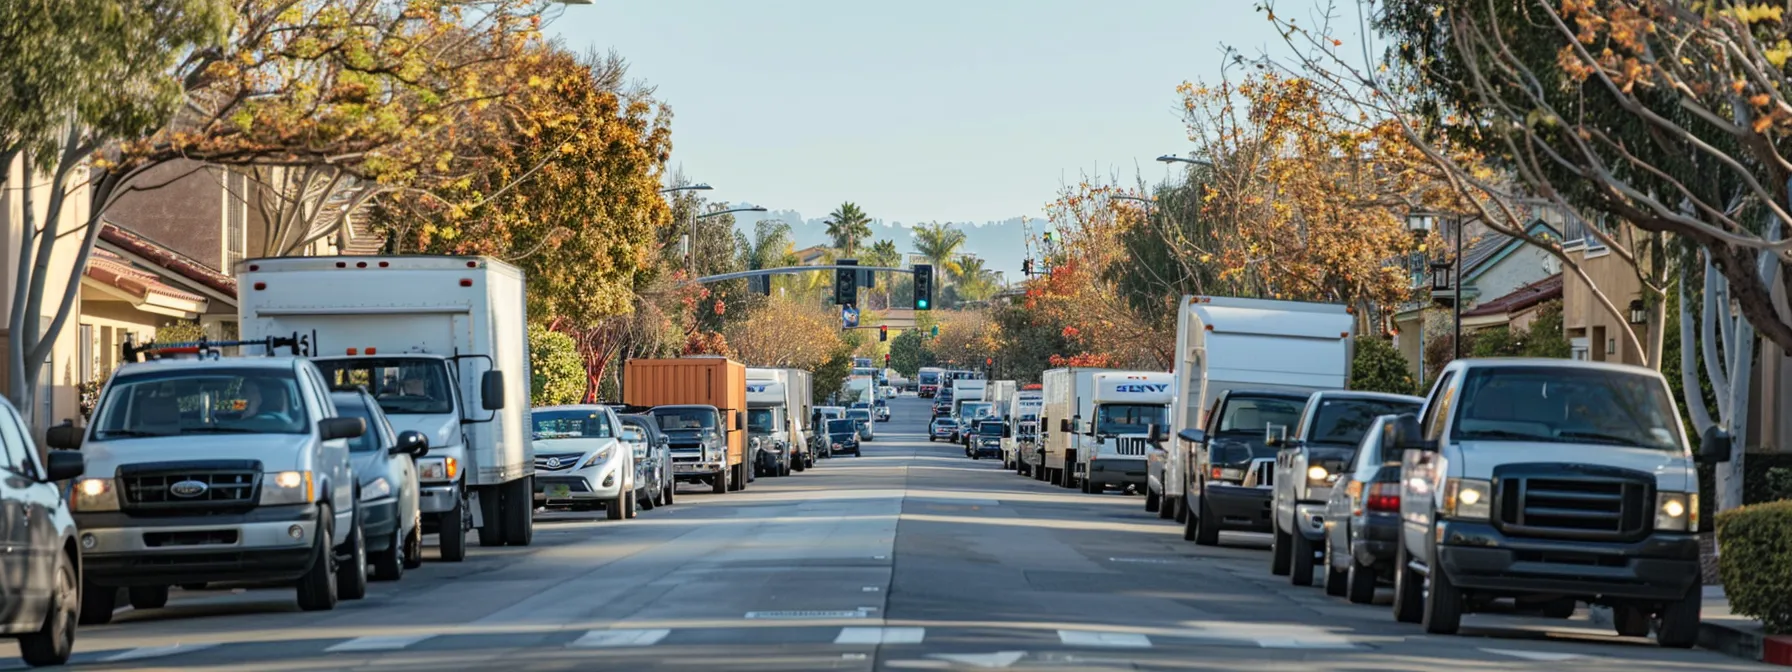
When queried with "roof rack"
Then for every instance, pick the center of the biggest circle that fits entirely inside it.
(207, 349)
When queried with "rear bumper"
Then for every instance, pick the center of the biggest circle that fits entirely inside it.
(261, 546)
(1239, 508)
(1478, 556)
(983, 450)
(1372, 538)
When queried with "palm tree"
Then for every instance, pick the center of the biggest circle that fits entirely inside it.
(883, 253)
(975, 282)
(940, 244)
(847, 225)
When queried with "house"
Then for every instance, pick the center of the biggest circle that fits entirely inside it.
(135, 286)
(816, 255)
(1516, 310)
(1494, 267)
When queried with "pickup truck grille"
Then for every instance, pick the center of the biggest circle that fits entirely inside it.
(177, 489)
(1131, 446)
(1592, 507)
(557, 462)
(1262, 473)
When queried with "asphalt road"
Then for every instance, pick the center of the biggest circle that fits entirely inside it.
(912, 557)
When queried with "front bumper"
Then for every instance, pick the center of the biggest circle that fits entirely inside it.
(256, 546)
(1239, 508)
(600, 482)
(1118, 471)
(438, 497)
(378, 519)
(1309, 519)
(698, 470)
(1477, 556)
(988, 450)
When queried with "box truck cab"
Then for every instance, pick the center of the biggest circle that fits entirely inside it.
(1023, 422)
(443, 345)
(1552, 479)
(769, 430)
(1127, 405)
(798, 404)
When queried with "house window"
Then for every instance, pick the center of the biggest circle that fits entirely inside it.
(236, 219)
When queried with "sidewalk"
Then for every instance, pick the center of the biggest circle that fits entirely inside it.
(1739, 636)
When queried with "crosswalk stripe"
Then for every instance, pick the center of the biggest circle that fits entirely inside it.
(381, 643)
(599, 639)
(1118, 640)
(881, 636)
(155, 652)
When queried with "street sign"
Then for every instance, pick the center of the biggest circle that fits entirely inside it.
(849, 317)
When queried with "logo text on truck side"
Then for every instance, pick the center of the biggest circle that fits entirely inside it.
(1159, 387)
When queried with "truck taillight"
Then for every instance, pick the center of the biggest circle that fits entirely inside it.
(466, 282)
(1384, 497)
(1217, 473)
(354, 351)
(260, 286)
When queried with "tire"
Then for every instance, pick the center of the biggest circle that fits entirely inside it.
(671, 493)
(1630, 621)
(389, 564)
(1208, 529)
(148, 597)
(737, 478)
(617, 509)
(413, 546)
(451, 537)
(1564, 609)
(634, 508)
(1152, 505)
(1443, 604)
(351, 578)
(1336, 580)
(719, 483)
(1166, 507)
(491, 504)
(973, 455)
(1300, 553)
(646, 503)
(931, 439)
(97, 604)
(1281, 553)
(52, 643)
(317, 588)
(519, 511)
(1409, 595)
(1678, 625)
(1360, 588)
(1181, 509)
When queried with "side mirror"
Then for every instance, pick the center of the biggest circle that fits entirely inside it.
(1275, 436)
(740, 421)
(64, 436)
(341, 428)
(1154, 433)
(1402, 434)
(1714, 446)
(1064, 426)
(1192, 435)
(63, 465)
(491, 390)
(411, 442)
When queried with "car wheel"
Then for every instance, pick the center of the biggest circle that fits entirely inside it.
(52, 643)
(1152, 505)
(1630, 621)
(389, 564)
(1678, 625)
(148, 597)
(634, 507)
(519, 512)
(1336, 580)
(351, 581)
(451, 538)
(317, 588)
(617, 509)
(1166, 508)
(1443, 604)
(97, 604)
(413, 546)
(1281, 553)
(1300, 554)
(719, 483)
(1360, 584)
(671, 493)
(1409, 596)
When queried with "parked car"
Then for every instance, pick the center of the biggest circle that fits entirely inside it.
(987, 441)
(1309, 461)
(768, 459)
(818, 432)
(1230, 467)
(385, 464)
(881, 409)
(863, 417)
(659, 448)
(646, 466)
(842, 436)
(942, 429)
(190, 458)
(44, 605)
(580, 461)
(1362, 520)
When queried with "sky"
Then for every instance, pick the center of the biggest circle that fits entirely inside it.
(921, 110)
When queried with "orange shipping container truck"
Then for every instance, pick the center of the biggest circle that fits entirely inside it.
(696, 381)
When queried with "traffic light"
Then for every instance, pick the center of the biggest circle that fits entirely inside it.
(886, 360)
(765, 285)
(1026, 267)
(846, 283)
(883, 332)
(1048, 237)
(924, 288)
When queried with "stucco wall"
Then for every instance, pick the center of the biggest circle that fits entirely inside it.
(59, 376)
(1582, 315)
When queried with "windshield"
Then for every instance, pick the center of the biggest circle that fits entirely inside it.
(1255, 414)
(571, 424)
(760, 421)
(1127, 418)
(1347, 420)
(930, 378)
(859, 414)
(685, 419)
(974, 410)
(990, 429)
(842, 427)
(402, 385)
(1566, 405)
(861, 404)
(202, 401)
(368, 441)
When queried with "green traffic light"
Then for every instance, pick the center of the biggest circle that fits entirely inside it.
(921, 304)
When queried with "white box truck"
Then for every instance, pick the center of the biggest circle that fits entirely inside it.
(1241, 365)
(778, 407)
(443, 344)
(1127, 404)
(1019, 449)
(1069, 404)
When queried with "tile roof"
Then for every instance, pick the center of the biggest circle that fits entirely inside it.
(1521, 298)
(180, 264)
(113, 270)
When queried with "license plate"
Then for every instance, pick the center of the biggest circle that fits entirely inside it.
(559, 491)
(684, 467)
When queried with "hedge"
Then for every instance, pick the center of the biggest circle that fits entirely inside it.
(1755, 562)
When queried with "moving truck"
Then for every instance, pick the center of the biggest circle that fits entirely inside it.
(1069, 405)
(704, 400)
(778, 407)
(927, 381)
(443, 345)
(1127, 405)
(1022, 417)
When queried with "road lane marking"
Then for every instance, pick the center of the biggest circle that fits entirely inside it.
(881, 636)
(998, 659)
(388, 643)
(601, 639)
(1537, 655)
(786, 615)
(1118, 640)
(155, 652)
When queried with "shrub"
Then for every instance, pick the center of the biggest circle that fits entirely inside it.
(556, 372)
(1755, 562)
(1378, 367)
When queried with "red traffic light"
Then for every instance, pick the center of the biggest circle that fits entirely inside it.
(989, 361)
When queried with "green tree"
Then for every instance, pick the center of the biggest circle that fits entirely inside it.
(556, 371)
(1545, 337)
(848, 225)
(974, 281)
(940, 243)
(909, 352)
(1378, 367)
(883, 253)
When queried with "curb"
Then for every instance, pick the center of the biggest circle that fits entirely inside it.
(1744, 643)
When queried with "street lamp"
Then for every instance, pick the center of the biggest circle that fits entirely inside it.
(691, 251)
(1172, 158)
(688, 187)
(1442, 271)
(730, 210)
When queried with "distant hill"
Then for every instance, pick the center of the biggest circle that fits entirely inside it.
(999, 244)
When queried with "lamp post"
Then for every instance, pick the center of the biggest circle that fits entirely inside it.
(690, 236)
(1444, 274)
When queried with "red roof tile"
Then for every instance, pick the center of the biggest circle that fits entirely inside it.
(113, 270)
(180, 264)
(1522, 298)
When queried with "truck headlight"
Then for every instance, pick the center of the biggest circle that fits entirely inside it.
(1316, 476)
(376, 489)
(286, 487)
(1468, 498)
(1676, 512)
(597, 457)
(437, 468)
(93, 494)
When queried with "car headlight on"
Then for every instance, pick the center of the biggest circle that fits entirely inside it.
(438, 468)
(286, 487)
(94, 494)
(1676, 512)
(1468, 498)
(597, 457)
(376, 489)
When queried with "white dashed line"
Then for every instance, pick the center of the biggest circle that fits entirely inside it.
(601, 639)
(881, 636)
(391, 643)
(1118, 640)
(155, 652)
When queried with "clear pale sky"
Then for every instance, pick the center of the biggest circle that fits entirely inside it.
(969, 110)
